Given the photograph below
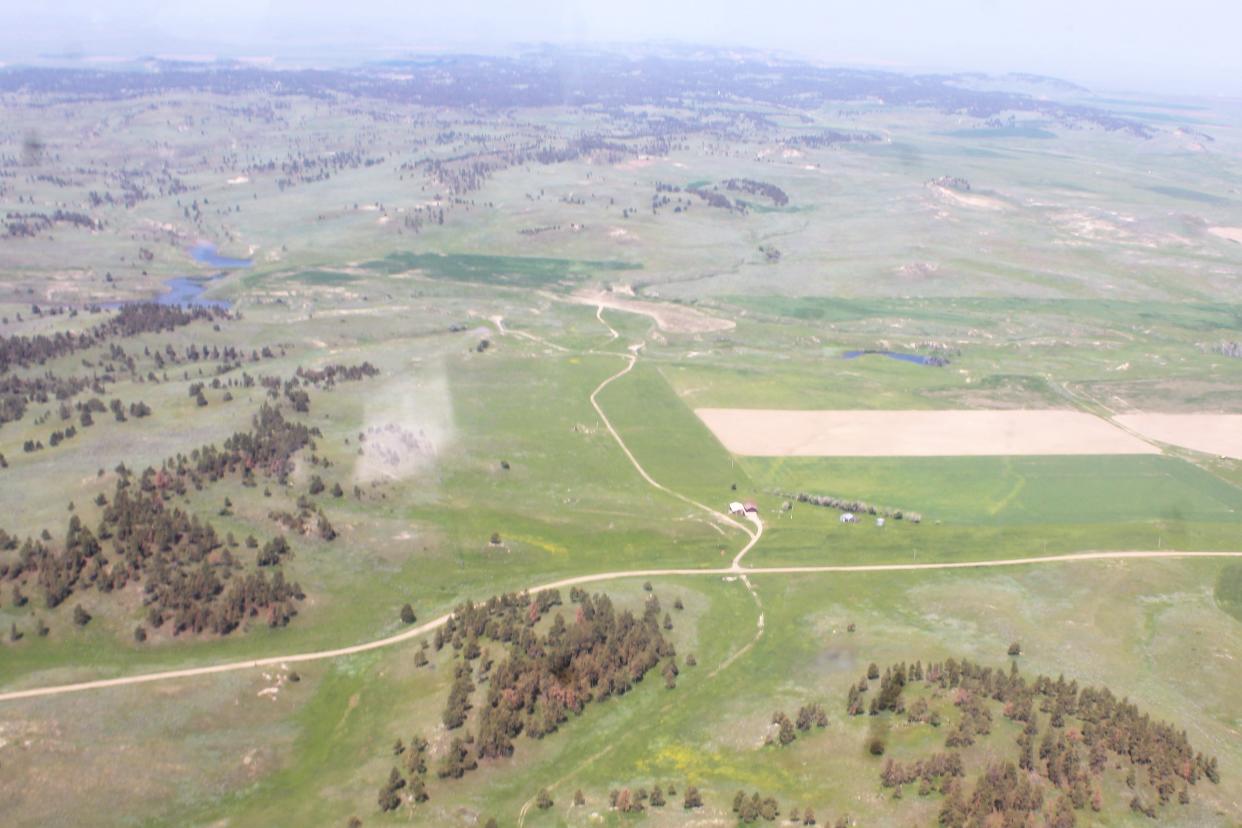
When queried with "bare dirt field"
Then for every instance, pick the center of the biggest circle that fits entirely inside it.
(770, 433)
(1210, 433)
(669, 317)
(1233, 234)
(969, 199)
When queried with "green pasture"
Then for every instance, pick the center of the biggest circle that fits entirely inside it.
(1151, 627)
(525, 271)
(992, 491)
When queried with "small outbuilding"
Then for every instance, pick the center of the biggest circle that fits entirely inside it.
(736, 508)
(849, 517)
(751, 507)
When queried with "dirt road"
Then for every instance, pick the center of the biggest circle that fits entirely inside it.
(732, 571)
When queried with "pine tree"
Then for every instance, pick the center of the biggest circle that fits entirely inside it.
(388, 797)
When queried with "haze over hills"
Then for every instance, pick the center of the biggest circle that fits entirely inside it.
(565, 77)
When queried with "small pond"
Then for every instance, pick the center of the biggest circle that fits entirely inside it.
(917, 359)
(205, 253)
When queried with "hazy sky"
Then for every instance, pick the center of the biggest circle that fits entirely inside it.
(1156, 45)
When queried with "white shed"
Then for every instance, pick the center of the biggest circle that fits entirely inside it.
(849, 517)
(736, 508)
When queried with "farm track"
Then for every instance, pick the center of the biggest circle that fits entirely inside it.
(734, 570)
(724, 572)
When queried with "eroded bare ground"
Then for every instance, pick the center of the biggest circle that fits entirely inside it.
(669, 318)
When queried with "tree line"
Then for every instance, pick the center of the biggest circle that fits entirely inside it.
(132, 319)
(858, 507)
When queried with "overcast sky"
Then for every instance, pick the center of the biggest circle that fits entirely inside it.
(1153, 45)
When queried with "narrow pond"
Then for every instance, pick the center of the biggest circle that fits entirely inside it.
(917, 359)
(188, 290)
(205, 253)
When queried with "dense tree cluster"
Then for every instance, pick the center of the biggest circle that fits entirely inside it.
(19, 225)
(329, 375)
(190, 578)
(636, 800)
(16, 393)
(130, 320)
(808, 715)
(268, 448)
(950, 182)
(1001, 796)
(713, 198)
(545, 677)
(831, 138)
(937, 768)
(754, 807)
(228, 357)
(758, 188)
(415, 765)
(1088, 730)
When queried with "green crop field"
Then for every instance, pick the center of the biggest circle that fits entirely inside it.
(1003, 491)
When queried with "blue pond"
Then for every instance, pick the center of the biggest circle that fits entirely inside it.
(205, 253)
(188, 291)
(917, 359)
(182, 290)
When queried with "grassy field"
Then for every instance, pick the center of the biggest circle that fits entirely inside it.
(999, 491)
(1151, 627)
(1080, 271)
(1229, 590)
